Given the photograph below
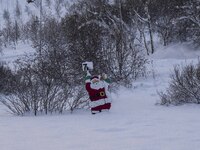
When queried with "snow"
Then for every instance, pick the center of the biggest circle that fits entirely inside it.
(11, 54)
(134, 122)
(176, 51)
(27, 9)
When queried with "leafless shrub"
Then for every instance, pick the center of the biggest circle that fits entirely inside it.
(184, 86)
(39, 88)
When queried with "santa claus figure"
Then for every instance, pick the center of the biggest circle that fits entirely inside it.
(97, 88)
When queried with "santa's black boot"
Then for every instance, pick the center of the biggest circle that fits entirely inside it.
(93, 112)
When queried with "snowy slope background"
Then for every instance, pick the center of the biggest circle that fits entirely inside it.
(134, 122)
(28, 9)
(54, 8)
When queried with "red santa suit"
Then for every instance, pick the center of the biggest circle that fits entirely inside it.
(98, 93)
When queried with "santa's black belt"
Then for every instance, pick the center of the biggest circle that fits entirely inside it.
(101, 94)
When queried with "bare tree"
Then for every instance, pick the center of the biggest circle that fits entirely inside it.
(58, 7)
(18, 11)
(113, 50)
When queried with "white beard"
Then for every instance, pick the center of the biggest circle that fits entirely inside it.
(97, 85)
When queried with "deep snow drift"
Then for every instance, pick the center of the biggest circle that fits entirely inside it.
(133, 123)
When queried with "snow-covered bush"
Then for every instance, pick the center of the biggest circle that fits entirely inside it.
(42, 87)
(184, 86)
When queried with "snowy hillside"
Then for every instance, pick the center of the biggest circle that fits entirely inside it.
(55, 8)
(52, 7)
(133, 123)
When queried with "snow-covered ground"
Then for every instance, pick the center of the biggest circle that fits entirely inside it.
(133, 123)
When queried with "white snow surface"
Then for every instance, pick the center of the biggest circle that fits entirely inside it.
(133, 123)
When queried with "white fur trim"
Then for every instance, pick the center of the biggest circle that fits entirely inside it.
(97, 85)
(97, 103)
(100, 102)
